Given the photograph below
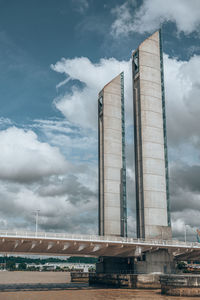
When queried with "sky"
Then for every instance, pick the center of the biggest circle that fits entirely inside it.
(55, 56)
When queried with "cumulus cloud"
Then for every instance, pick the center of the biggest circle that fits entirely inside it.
(58, 212)
(24, 158)
(182, 85)
(66, 202)
(152, 13)
(71, 187)
(182, 97)
(182, 94)
(80, 104)
(185, 199)
(66, 193)
(186, 223)
(187, 177)
(35, 175)
(182, 82)
(76, 143)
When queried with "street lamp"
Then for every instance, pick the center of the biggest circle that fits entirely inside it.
(36, 220)
(186, 233)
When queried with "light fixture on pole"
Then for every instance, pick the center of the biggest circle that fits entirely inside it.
(186, 233)
(36, 220)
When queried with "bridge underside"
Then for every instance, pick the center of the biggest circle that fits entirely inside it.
(95, 246)
(63, 247)
(188, 254)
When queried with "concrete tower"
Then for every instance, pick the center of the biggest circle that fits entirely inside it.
(151, 165)
(112, 171)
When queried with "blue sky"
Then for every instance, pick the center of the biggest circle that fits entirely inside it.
(55, 56)
(36, 34)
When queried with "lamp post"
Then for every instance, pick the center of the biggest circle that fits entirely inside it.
(36, 220)
(186, 233)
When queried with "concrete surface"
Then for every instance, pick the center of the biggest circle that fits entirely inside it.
(151, 197)
(180, 285)
(132, 281)
(111, 220)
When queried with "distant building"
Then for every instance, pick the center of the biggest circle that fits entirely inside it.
(112, 170)
(84, 267)
(151, 164)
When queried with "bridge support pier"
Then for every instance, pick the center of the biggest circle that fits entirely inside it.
(115, 265)
(132, 272)
(159, 261)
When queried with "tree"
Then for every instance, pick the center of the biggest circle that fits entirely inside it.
(10, 265)
(22, 267)
(181, 265)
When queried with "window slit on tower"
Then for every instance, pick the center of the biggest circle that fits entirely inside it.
(136, 62)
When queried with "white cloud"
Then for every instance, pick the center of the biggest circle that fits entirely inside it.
(182, 100)
(53, 125)
(62, 83)
(65, 193)
(182, 85)
(80, 105)
(65, 204)
(152, 13)
(24, 158)
(187, 220)
(5, 121)
(33, 159)
(77, 144)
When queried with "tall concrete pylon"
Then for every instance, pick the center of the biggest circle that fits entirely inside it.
(112, 169)
(151, 164)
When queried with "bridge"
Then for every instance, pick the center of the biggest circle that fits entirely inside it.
(61, 244)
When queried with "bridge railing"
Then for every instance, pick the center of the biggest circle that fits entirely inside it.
(96, 238)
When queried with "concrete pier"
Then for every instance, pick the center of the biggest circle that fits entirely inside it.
(131, 281)
(79, 277)
(115, 265)
(180, 285)
(159, 261)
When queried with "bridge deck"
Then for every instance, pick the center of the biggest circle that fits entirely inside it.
(44, 243)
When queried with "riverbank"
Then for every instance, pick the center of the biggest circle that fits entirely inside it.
(89, 294)
(57, 286)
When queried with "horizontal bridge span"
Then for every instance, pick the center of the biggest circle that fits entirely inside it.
(44, 243)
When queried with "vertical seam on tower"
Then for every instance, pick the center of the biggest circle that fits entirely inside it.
(136, 161)
(124, 206)
(141, 164)
(100, 173)
(164, 129)
(103, 229)
(138, 156)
